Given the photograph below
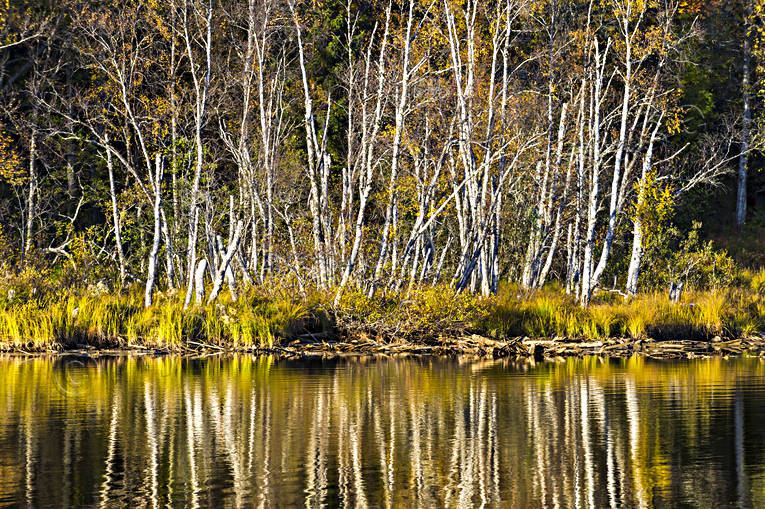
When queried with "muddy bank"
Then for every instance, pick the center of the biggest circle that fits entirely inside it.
(326, 344)
(529, 347)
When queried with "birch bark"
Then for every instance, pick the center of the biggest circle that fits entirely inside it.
(395, 149)
(115, 214)
(745, 132)
(201, 88)
(151, 274)
(218, 279)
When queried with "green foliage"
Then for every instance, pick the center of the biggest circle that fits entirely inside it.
(654, 207)
(698, 264)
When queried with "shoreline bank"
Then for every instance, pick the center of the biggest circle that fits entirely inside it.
(431, 320)
(474, 345)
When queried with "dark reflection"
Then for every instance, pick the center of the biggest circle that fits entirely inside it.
(376, 432)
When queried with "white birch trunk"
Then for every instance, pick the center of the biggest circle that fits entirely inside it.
(224, 265)
(396, 148)
(115, 214)
(745, 132)
(592, 203)
(31, 195)
(318, 167)
(229, 276)
(151, 274)
(200, 105)
(199, 281)
(369, 136)
(636, 257)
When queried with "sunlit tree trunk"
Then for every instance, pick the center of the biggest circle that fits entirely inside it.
(318, 167)
(619, 163)
(395, 153)
(201, 88)
(636, 257)
(151, 274)
(370, 129)
(199, 281)
(592, 204)
(219, 276)
(31, 195)
(115, 214)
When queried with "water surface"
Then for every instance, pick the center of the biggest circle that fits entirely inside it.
(379, 432)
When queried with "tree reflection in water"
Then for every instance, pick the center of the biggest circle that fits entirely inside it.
(380, 432)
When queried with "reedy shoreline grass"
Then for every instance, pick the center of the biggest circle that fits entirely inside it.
(113, 320)
(270, 315)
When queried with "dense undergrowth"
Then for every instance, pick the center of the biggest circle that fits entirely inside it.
(42, 317)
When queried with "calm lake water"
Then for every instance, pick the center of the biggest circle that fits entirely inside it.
(379, 432)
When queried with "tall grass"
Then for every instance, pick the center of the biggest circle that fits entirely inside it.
(544, 313)
(119, 320)
(268, 315)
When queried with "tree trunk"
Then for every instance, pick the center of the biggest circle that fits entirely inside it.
(745, 135)
(229, 272)
(192, 260)
(31, 196)
(592, 204)
(169, 250)
(115, 214)
(200, 97)
(635, 259)
(637, 225)
(199, 281)
(400, 113)
(151, 275)
(620, 166)
(229, 255)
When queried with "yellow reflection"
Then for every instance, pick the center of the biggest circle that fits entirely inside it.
(258, 431)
